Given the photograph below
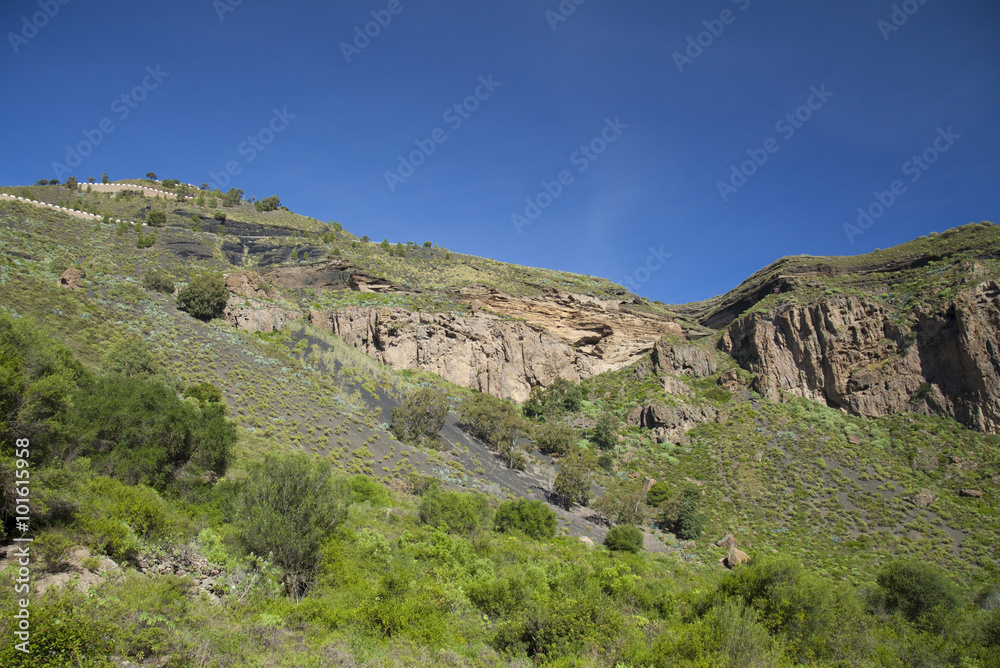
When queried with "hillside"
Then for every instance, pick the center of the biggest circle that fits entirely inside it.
(835, 419)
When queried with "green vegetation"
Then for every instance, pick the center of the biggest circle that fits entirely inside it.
(204, 297)
(420, 417)
(333, 543)
(531, 518)
(624, 538)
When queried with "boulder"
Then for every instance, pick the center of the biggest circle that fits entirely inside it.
(71, 279)
(736, 557)
(727, 541)
(925, 498)
(973, 493)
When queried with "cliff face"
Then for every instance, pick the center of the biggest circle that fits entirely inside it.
(532, 342)
(616, 333)
(504, 358)
(845, 352)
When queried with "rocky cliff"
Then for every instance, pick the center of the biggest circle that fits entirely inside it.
(506, 345)
(505, 358)
(847, 352)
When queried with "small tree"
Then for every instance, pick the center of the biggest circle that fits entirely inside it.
(532, 518)
(463, 513)
(286, 506)
(130, 357)
(682, 513)
(233, 197)
(624, 538)
(104, 178)
(420, 417)
(71, 183)
(156, 219)
(268, 203)
(657, 494)
(572, 484)
(151, 176)
(220, 216)
(204, 297)
(400, 250)
(606, 431)
(91, 179)
(553, 438)
(918, 590)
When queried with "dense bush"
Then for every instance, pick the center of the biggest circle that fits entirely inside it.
(531, 518)
(156, 219)
(657, 494)
(204, 297)
(367, 489)
(624, 538)
(137, 430)
(606, 431)
(553, 438)
(681, 513)
(204, 393)
(498, 423)
(233, 197)
(572, 483)
(38, 377)
(918, 590)
(268, 203)
(421, 416)
(157, 281)
(130, 357)
(559, 398)
(462, 513)
(285, 506)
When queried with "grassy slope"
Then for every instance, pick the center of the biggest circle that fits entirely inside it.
(920, 274)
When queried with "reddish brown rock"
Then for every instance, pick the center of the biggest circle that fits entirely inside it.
(71, 279)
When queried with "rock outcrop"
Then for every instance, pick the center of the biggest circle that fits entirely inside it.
(612, 331)
(847, 352)
(71, 279)
(249, 284)
(532, 341)
(505, 358)
(671, 423)
(252, 315)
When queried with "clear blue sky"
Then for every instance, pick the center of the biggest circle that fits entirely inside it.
(655, 185)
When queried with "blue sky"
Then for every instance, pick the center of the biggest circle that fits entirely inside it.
(639, 136)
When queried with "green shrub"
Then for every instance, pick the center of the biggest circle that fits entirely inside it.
(220, 216)
(624, 538)
(657, 494)
(532, 518)
(204, 297)
(285, 507)
(572, 483)
(367, 489)
(553, 438)
(918, 590)
(54, 548)
(136, 429)
(268, 203)
(420, 417)
(682, 514)
(130, 357)
(156, 219)
(606, 431)
(157, 281)
(205, 393)
(561, 397)
(463, 513)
